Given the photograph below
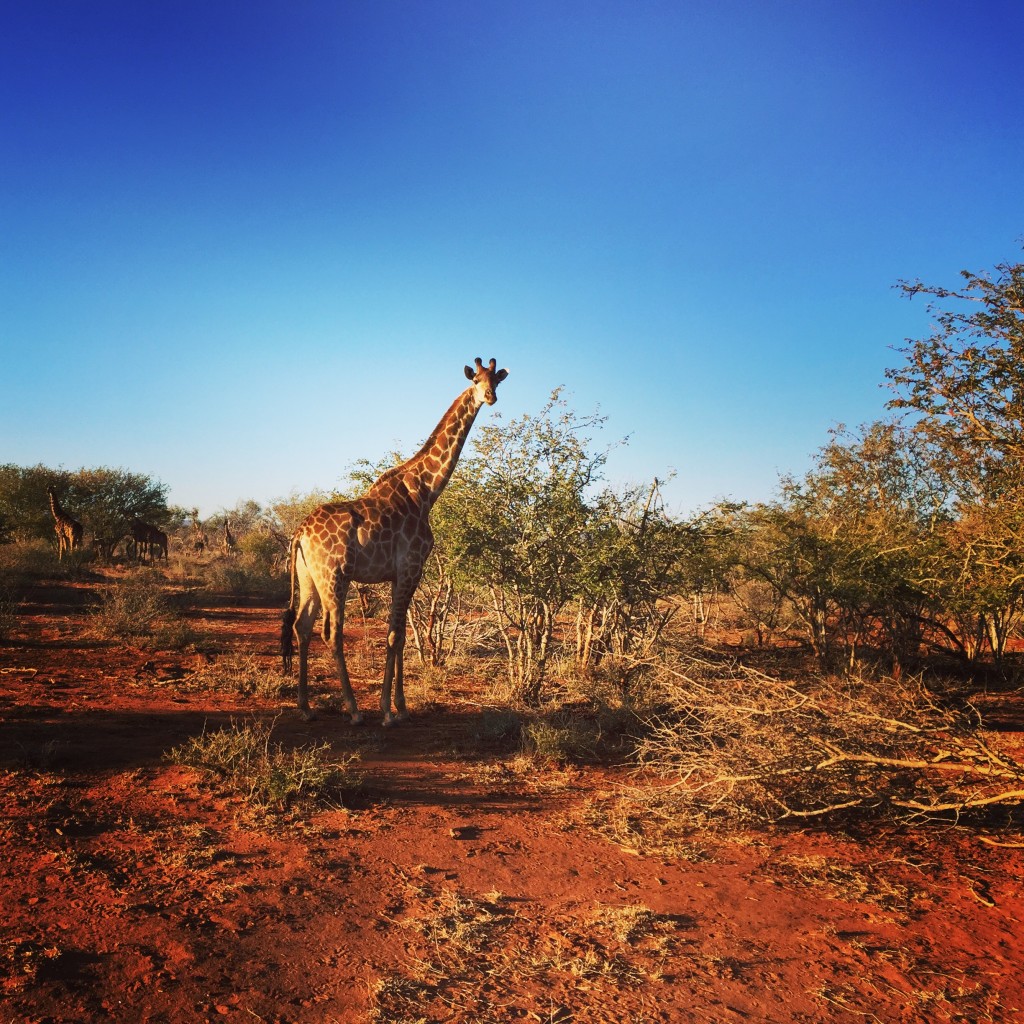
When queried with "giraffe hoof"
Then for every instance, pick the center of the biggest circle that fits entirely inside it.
(307, 715)
(357, 718)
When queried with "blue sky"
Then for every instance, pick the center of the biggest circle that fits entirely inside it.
(243, 245)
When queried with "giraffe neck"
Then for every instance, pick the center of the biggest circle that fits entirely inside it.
(427, 473)
(58, 512)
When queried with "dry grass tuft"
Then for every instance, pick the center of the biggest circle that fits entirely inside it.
(268, 774)
(242, 674)
(475, 958)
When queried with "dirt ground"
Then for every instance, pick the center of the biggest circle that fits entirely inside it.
(456, 884)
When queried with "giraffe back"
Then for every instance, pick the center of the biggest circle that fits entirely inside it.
(368, 540)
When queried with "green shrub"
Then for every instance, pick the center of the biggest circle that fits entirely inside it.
(270, 775)
(561, 740)
(257, 568)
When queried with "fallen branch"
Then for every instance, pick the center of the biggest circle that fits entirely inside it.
(742, 743)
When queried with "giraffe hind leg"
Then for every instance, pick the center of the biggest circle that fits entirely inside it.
(334, 632)
(309, 608)
(394, 666)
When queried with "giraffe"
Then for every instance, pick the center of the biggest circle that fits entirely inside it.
(68, 529)
(140, 536)
(158, 543)
(198, 535)
(152, 541)
(382, 536)
(229, 538)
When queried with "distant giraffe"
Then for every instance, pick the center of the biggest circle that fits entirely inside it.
(140, 537)
(158, 543)
(384, 535)
(68, 529)
(229, 538)
(198, 537)
(149, 541)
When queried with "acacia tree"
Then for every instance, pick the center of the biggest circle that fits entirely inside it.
(846, 546)
(527, 528)
(975, 573)
(962, 389)
(104, 499)
(109, 499)
(24, 505)
(448, 589)
(632, 567)
(964, 383)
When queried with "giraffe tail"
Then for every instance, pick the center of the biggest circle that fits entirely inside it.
(287, 639)
(288, 617)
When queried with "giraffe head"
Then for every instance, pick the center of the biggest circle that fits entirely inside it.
(486, 380)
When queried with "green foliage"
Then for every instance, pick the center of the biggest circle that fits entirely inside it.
(520, 523)
(964, 384)
(24, 506)
(104, 500)
(633, 559)
(289, 512)
(108, 499)
(962, 389)
(908, 532)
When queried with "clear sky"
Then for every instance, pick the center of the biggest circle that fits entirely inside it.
(243, 244)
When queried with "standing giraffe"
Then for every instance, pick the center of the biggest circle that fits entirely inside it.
(384, 535)
(68, 529)
(140, 537)
(149, 541)
(158, 544)
(229, 538)
(200, 542)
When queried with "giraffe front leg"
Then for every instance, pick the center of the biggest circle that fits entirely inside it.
(394, 666)
(392, 679)
(400, 708)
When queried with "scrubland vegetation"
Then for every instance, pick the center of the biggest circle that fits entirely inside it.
(787, 684)
(811, 656)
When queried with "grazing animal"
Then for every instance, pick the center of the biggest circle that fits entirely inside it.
(158, 543)
(68, 529)
(382, 536)
(140, 537)
(149, 541)
(229, 538)
(198, 537)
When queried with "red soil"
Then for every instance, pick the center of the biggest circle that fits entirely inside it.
(457, 887)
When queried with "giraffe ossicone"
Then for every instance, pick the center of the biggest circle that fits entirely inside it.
(384, 536)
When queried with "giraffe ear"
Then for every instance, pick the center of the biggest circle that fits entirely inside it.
(500, 376)
(469, 373)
